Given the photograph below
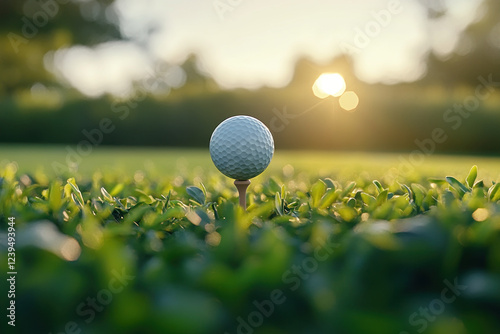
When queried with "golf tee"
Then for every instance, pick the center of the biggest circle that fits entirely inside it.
(242, 186)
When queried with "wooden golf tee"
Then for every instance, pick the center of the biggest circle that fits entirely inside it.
(242, 186)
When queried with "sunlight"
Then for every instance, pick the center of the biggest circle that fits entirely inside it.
(329, 84)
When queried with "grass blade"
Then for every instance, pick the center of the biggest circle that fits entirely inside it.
(471, 177)
(197, 194)
(457, 185)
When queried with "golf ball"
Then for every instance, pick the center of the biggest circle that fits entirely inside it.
(241, 147)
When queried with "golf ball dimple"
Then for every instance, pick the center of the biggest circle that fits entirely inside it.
(241, 147)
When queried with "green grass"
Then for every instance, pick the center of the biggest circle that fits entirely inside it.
(166, 162)
(330, 243)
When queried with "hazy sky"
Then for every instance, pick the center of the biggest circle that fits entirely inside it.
(250, 43)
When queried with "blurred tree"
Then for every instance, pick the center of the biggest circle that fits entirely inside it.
(388, 117)
(29, 29)
(477, 52)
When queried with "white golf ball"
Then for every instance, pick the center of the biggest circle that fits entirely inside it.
(241, 147)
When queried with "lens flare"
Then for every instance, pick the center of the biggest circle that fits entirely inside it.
(349, 101)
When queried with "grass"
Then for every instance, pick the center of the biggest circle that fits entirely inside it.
(346, 165)
(330, 243)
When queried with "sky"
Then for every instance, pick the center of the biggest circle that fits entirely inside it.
(254, 43)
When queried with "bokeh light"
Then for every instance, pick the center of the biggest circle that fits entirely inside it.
(45, 235)
(480, 214)
(349, 101)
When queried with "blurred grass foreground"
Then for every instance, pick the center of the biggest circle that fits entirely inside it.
(152, 251)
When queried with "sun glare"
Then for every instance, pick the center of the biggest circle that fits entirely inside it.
(329, 84)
